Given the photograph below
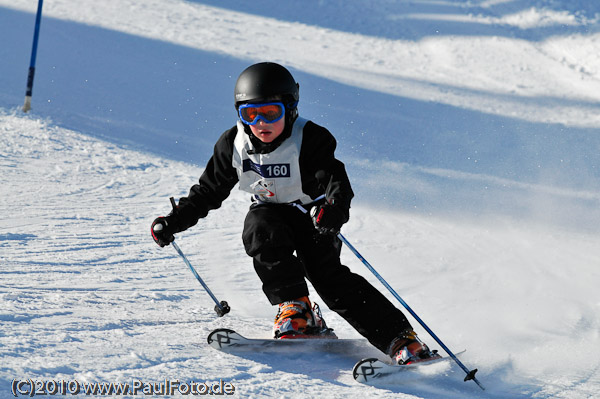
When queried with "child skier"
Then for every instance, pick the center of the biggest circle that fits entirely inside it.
(285, 161)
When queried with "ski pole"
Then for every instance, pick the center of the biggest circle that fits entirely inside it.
(222, 308)
(470, 373)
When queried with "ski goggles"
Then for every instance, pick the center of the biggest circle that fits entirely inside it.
(267, 112)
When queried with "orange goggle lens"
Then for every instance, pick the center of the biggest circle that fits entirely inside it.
(250, 114)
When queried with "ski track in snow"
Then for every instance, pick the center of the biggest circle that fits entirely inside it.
(85, 294)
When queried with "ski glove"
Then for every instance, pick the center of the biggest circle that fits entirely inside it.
(163, 229)
(328, 218)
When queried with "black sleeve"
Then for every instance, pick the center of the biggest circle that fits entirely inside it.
(317, 154)
(214, 185)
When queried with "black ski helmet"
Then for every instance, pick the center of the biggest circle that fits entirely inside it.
(263, 80)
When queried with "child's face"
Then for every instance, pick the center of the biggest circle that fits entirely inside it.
(267, 132)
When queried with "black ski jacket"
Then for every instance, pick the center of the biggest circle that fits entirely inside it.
(220, 176)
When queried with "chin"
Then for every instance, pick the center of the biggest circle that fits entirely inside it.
(267, 139)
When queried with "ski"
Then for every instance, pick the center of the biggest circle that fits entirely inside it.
(228, 340)
(371, 369)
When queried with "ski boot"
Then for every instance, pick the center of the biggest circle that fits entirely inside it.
(300, 319)
(408, 349)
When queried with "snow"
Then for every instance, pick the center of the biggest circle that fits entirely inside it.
(470, 133)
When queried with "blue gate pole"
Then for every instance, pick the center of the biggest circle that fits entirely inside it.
(36, 35)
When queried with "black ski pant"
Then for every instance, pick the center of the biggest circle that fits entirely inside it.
(286, 249)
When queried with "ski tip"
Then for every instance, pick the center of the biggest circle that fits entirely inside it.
(366, 369)
(369, 369)
(220, 337)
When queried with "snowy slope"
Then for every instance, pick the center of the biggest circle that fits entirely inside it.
(481, 116)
